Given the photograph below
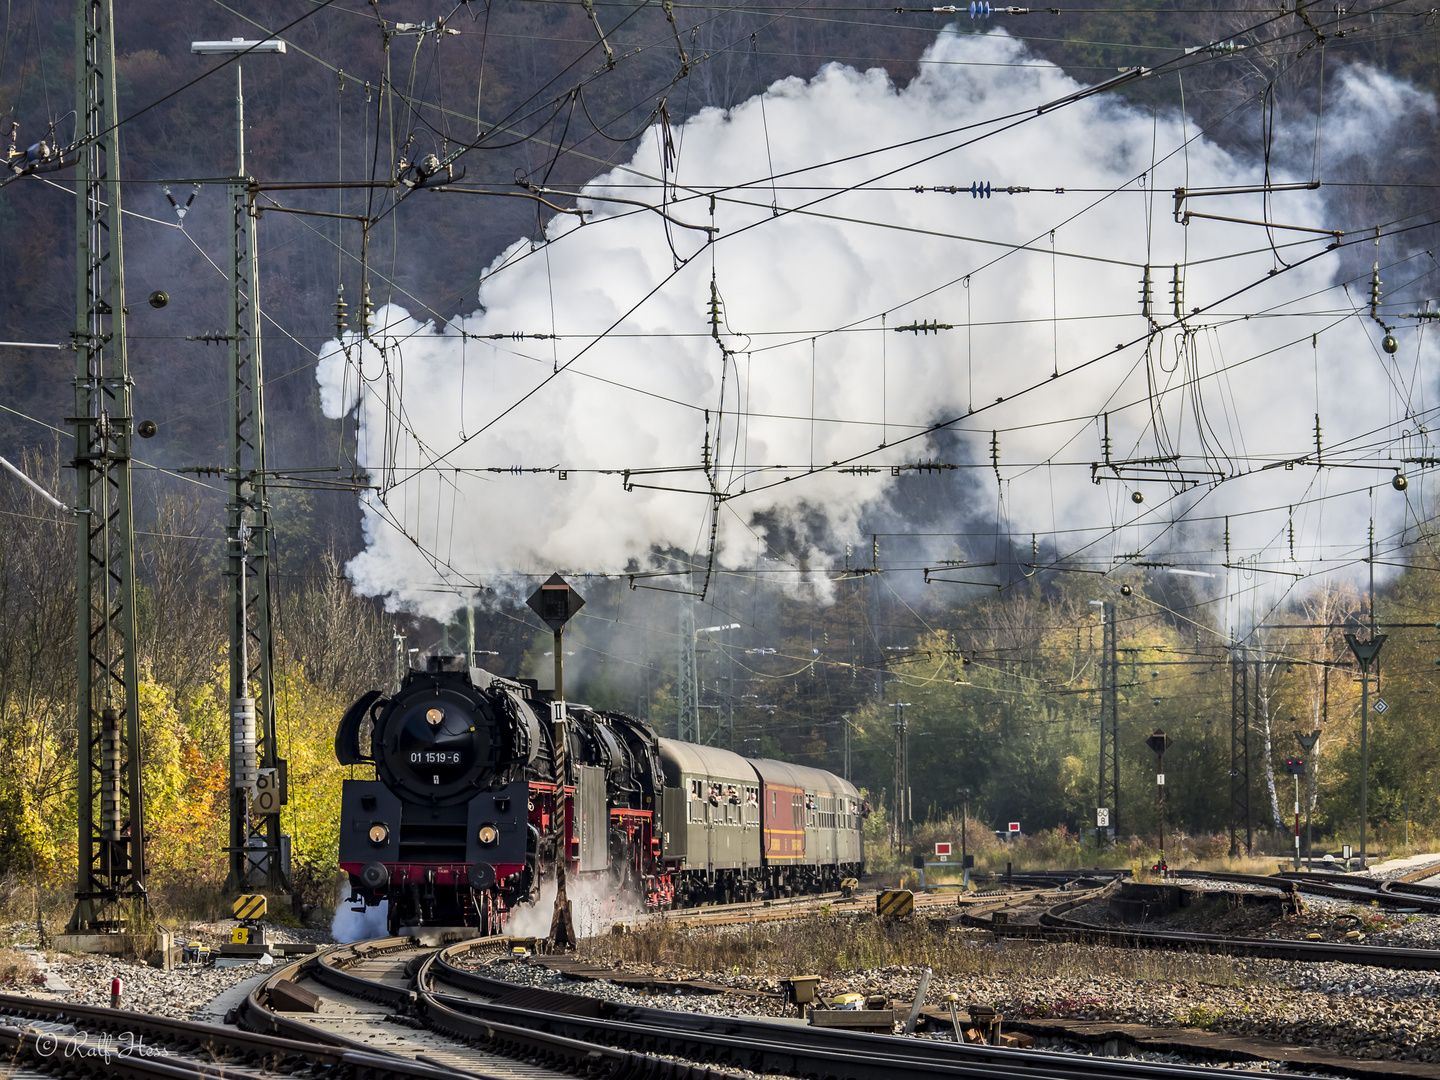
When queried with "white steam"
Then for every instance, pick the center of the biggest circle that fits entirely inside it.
(594, 908)
(351, 925)
(840, 240)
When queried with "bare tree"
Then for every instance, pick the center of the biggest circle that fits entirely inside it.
(37, 661)
(182, 604)
(338, 639)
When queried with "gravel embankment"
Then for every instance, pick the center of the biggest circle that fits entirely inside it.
(1357, 1012)
(179, 994)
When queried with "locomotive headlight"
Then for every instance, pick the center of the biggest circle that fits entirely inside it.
(379, 834)
(435, 717)
(488, 835)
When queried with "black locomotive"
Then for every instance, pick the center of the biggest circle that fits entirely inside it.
(482, 785)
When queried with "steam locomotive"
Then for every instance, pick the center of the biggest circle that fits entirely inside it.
(483, 785)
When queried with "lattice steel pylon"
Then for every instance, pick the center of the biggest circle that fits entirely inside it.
(255, 839)
(110, 802)
(687, 720)
(1239, 752)
(1108, 790)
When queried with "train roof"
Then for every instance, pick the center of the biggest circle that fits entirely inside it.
(804, 777)
(682, 757)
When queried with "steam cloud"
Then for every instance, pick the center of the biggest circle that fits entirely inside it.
(350, 925)
(594, 908)
(796, 258)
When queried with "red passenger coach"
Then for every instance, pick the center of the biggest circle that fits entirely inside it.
(783, 808)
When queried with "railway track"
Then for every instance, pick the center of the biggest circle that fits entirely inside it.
(1024, 889)
(766, 1046)
(1055, 924)
(1365, 890)
(550, 1032)
(1432, 870)
(51, 1037)
(368, 997)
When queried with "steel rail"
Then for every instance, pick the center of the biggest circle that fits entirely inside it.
(187, 1035)
(134, 1059)
(768, 1047)
(1410, 889)
(1347, 887)
(1263, 948)
(46, 1052)
(542, 1049)
(1411, 876)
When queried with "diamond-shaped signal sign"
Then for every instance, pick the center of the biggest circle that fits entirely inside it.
(1380, 705)
(555, 602)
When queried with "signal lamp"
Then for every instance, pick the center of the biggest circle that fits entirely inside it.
(488, 835)
(379, 834)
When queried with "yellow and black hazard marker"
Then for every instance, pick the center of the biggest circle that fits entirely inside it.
(895, 903)
(250, 906)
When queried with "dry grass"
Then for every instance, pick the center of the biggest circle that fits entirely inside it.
(827, 945)
(40, 912)
(1263, 865)
(17, 968)
(179, 902)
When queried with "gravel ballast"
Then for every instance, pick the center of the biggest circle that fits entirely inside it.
(1356, 1012)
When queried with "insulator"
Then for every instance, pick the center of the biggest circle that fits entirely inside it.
(1389, 344)
(1177, 293)
(715, 314)
(111, 772)
(980, 9)
(245, 770)
(1374, 287)
(1147, 296)
(340, 307)
(979, 190)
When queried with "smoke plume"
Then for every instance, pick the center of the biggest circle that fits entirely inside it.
(1026, 320)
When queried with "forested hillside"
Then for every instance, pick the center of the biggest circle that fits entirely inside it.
(1000, 680)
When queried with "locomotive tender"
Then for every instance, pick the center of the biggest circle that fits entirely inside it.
(481, 786)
